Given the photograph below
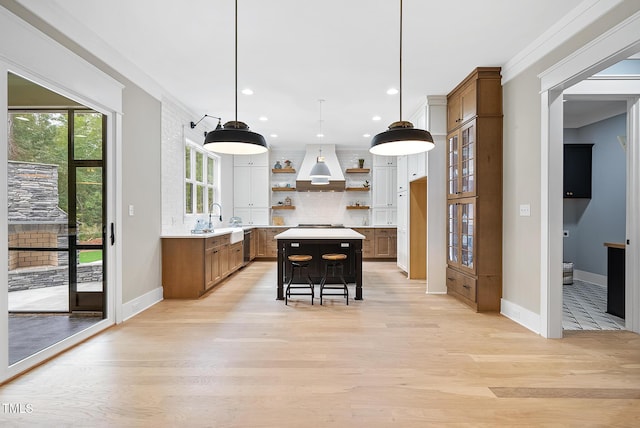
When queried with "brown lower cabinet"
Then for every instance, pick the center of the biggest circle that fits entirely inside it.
(379, 242)
(192, 266)
(253, 244)
(267, 246)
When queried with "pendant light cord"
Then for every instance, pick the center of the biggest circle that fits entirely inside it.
(236, 59)
(320, 101)
(400, 59)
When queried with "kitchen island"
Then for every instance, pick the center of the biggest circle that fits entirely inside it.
(316, 242)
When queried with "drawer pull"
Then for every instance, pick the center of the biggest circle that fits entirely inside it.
(467, 286)
(450, 279)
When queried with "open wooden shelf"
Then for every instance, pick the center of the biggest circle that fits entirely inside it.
(357, 189)
(283, 170)
(357, 207)
(357, 170)
(283, 189)
(283, 207)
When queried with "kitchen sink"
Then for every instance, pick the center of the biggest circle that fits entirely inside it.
(237, 235)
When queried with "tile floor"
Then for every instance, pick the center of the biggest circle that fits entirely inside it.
(584, 307)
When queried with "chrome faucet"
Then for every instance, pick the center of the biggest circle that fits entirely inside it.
(211, 209)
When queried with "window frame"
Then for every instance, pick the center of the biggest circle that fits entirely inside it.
(196, 150)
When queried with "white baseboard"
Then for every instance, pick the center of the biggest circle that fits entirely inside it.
(593, 278)
(522, 316)
(139, 304)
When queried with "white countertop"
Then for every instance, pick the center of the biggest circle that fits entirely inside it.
(217, 232)
(317, 233)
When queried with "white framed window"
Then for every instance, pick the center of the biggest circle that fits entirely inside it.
(202, 178)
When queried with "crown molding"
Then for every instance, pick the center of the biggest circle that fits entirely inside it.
(576, 20)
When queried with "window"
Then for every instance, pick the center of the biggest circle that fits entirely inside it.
(201, 179)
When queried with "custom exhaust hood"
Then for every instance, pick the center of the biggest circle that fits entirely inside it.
(336, 181)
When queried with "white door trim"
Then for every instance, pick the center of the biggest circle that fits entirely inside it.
(632, 253)
(49, 64)
(613, 46)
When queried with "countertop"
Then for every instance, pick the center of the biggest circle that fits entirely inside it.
(619, 245)
(226, 230)
(302, 233)
(217, 232)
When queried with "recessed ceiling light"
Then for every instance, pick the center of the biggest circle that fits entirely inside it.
(376, 118)
(320, 135)
(392, 91)
(247, 91)
(263, 118)
(366, 135)
(274, 135)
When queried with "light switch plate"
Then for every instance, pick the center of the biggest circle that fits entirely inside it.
(525, 210)
(131, 210)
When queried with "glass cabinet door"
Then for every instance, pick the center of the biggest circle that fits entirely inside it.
(467, 161)
(466, 234)
(461, 233)
(461, 162)
(453, 249)
(452, 165)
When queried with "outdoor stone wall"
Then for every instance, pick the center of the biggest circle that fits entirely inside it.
(33, 193)
(33, 278)
(35, 220)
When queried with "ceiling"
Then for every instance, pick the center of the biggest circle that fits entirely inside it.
(292, 53)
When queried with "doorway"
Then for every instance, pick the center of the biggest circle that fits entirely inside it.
(418, 229)
(594, 210)
(556, 82)
(56, 203)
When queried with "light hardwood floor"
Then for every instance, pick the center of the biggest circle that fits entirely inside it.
(239, 358)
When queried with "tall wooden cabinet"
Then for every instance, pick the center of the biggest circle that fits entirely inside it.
(474, 190)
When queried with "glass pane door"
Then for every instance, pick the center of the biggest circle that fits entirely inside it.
(87, 211)
(56, 215)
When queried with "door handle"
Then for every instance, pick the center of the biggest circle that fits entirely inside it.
(113, 234)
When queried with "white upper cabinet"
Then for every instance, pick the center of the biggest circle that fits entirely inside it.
(384, 187)
(251, 186)
(417, 166)
(251, 160)
(384, 160)
(403, 182)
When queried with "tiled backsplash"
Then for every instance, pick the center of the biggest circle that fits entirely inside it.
(322, 207)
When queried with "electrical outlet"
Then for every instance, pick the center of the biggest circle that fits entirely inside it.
(525, 210)
(131, 210)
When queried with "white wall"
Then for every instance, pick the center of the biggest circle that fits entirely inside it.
(175, 130)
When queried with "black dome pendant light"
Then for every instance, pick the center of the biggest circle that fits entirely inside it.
(234, 137)
(401, 138)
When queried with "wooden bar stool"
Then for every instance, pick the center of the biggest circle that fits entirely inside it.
(334, 262)
(301, 263)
